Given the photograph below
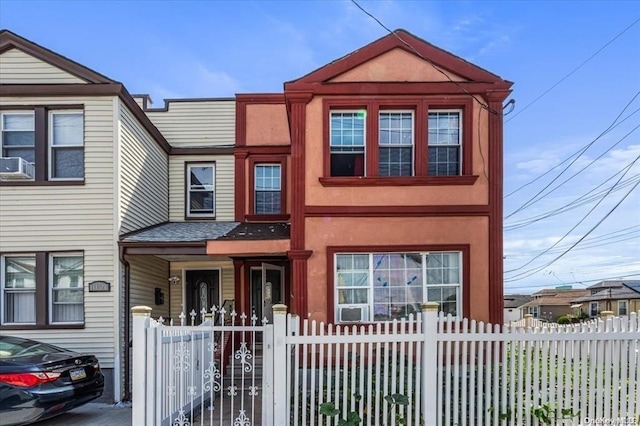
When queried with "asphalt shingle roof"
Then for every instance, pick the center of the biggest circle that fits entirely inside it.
(178, 232)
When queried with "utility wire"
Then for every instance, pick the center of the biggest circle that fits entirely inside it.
(535, 198)
(573, 71)
(533, 271)
(566, 159)
(628, 167)
(481, 103)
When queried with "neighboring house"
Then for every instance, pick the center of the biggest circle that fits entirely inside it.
(367, 187)
(618, 296)
(549, 304)
(512, 304)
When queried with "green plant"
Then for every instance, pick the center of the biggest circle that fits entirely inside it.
(330, 410)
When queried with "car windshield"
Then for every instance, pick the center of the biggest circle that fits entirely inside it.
(11, 347)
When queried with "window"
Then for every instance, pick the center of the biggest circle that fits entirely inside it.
(268, 189)
(622, 307)
(67, 292)
(49, 138)
(593, 309)
(42, 290)
(201, 190)
(533, 310)
(347, 143)
(19, 290)
(444, 143)
(393, 285)
(18, 135)
(66, 140)
(396, 144)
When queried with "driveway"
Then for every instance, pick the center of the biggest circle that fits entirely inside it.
(94, 414)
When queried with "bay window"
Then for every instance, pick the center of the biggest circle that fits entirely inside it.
(385, 286)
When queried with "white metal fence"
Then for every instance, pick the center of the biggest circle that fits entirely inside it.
(424, 370)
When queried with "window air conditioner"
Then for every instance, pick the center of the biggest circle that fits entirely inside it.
(15, 168)
(353, 313)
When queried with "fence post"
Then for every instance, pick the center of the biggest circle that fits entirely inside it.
(280, 366)
(606, 314)
(141, 320)
(430, 363)
(528, 321)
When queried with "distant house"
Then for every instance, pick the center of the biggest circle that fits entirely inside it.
(549, 304)
(618, 296)
(512, 304)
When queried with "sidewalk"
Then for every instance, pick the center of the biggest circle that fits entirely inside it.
(93, 414)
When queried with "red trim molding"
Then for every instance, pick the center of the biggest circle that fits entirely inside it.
(240, 174)
(397, 211)
(465, 249)
(399, 181)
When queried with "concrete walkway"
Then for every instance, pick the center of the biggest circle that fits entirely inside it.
(92, 414)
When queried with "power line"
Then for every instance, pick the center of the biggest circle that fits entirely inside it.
(573, 71)
(533, 271)
(535, 198)
(370, 15)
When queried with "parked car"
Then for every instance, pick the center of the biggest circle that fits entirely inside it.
(38, 380)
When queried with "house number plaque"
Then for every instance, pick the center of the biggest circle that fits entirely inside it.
(99, 286)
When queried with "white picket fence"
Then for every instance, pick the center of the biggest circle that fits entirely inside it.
(423, 370)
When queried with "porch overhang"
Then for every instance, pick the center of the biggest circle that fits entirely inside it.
(248, 248)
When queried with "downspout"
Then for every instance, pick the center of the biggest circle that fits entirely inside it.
(127, 327)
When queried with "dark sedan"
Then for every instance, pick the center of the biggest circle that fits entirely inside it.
(38, 381)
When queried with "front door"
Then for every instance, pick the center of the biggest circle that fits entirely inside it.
(202, 291)
(266, 290)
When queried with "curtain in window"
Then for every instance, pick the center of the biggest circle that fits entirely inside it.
(67, 289)
(20, 307)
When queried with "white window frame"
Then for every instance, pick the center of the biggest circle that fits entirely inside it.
(597, 306)
(2, 130)
(403, 145)
(364, 135)
(212, 189)
(626, 308)
(51, 148)
(50, 289)
(460, 136)
(370, 287)
(3, 289)
(255, 187)
(533, 310)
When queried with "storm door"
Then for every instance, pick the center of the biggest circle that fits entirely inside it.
(202, 291)
(266, 290)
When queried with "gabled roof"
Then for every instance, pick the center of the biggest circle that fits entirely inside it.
(551, 297)
(9, 40)
(401, 39)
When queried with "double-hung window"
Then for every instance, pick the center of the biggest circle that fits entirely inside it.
(347, 143)
(594, 309)
(17, 139)
(396, 143)
(622, 307)
(42, 289)
(445, 143)
(19, 289)
(385, 286)
(201, 190)
(66, 145)
(268, 189)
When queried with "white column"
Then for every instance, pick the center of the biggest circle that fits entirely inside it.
(280, 365)
(141, 322)
(430, 363)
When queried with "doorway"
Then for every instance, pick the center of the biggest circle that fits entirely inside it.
(267, 289)
(202, 291)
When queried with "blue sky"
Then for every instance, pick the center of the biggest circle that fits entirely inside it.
(216, 49)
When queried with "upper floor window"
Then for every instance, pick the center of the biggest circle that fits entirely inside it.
(42, 144)
(444, 143)
(66, 140)
(396, 143)
(42, 289)
(347, 144)
(622, 307)
(385, 286)
(268, 189)
(201, 190)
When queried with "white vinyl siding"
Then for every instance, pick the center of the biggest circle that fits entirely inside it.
(18, 67)
(78, 218)
(143, 176)
(197, 123)
(147, 273)
(224, 193)
(178, 268)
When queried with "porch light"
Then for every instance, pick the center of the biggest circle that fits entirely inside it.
(174, 280)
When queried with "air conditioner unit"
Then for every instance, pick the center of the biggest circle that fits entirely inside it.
(15, 168)
(353, 313)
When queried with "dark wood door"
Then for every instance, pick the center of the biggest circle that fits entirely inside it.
(202, 291)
